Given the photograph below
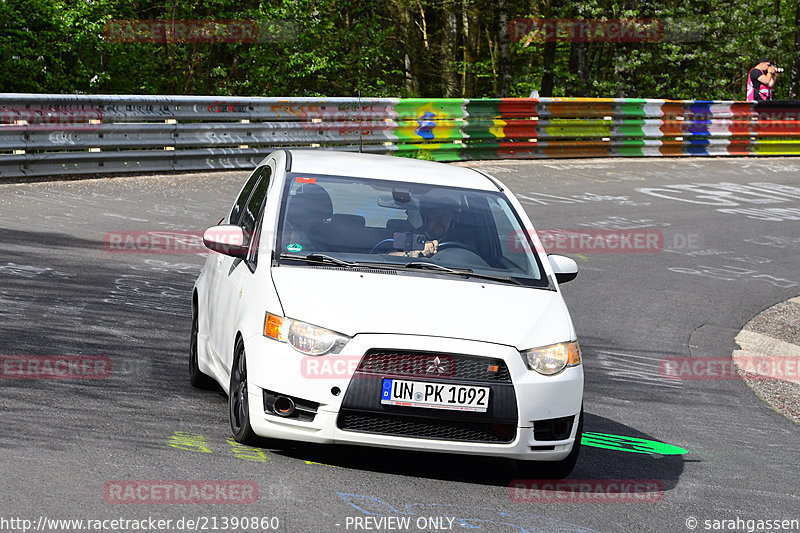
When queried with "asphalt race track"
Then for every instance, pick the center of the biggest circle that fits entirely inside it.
(729, 247)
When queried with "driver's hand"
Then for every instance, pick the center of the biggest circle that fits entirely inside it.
(771, 70)
(431, 247)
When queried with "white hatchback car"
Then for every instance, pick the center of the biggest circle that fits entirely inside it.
(391, 302)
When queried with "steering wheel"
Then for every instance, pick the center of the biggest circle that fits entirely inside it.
(455, 244)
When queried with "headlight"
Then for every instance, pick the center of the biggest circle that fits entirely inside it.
(553, 359)
(305, 338)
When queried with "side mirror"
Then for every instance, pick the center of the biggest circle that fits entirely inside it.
(227, 239)
(564, 268)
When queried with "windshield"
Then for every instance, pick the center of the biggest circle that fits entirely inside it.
(442, 230)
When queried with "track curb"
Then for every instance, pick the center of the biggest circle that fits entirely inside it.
(773, 336)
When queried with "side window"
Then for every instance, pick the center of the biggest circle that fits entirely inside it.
(253, 206)
(509, 239)
(236, 212)
(252, 254)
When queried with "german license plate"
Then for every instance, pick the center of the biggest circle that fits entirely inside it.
(434, 395)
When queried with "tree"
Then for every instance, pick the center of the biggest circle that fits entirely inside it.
(450, 12)
(503, 50)
(429, 48)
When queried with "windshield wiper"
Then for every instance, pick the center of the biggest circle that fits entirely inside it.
(462, 272)
(434, 266)
(317, 258)
(329, 259)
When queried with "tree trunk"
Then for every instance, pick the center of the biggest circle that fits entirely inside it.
(410, 80)
(493, 58)
(549, 57)
(422, 74)
(583, 69)
(449, 39)
(504, 51)
(470, 31)
(580, 60)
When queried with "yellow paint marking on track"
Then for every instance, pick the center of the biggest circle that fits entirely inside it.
(583, 257)
(191, 442)
(194, 442)
(321, 464)
(247, 453)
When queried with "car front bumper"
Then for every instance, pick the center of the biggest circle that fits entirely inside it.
(277, 368)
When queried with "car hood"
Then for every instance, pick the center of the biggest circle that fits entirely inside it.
(353, 301)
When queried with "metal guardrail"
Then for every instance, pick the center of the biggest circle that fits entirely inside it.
(44, 134)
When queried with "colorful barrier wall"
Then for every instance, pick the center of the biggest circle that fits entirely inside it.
(79, 134)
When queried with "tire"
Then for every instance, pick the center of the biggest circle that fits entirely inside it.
(556, 469)
(238, 404)
(196, 377)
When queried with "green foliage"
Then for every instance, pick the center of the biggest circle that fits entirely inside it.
(390, 48)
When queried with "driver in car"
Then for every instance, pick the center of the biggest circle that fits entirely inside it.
(438, 220)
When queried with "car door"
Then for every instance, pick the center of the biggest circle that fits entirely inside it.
(229, 275)
(213, 267)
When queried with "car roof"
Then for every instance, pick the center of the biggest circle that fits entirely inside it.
(388, 168)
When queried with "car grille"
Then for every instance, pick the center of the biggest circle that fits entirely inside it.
(430, 364)
(425, 428)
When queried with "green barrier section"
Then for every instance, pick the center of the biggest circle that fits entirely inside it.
(432, 108)
(629, 148)
(479, 150)
(632, 107)
(777, 147)
(628, 128)
(485, 108)
(485, 129)
(433, 152)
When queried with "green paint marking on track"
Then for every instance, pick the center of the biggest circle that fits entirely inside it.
(630, 444)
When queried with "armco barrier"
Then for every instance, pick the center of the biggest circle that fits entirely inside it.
(44, 134)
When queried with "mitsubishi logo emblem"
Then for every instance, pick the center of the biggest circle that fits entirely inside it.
(435, 366)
